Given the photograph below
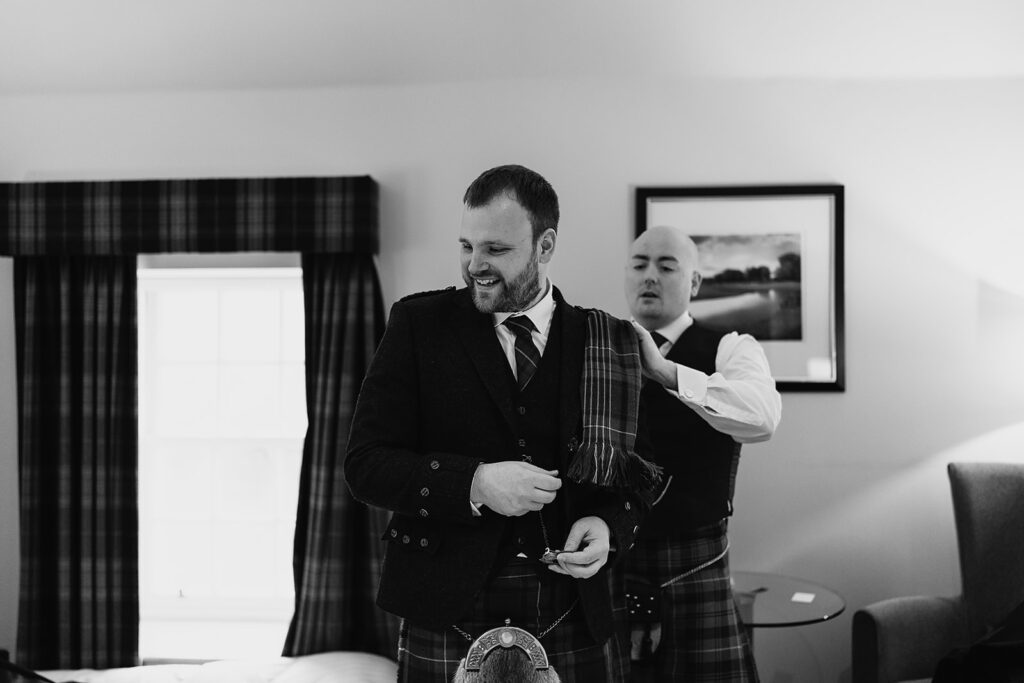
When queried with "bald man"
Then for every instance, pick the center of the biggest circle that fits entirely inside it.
(712, 392)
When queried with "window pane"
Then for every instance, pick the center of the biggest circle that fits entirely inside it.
(185, 325)
(249, 400)
(244, 566)
(245, 485)
(222, 419)
(185, 472)
(292, 328)
(293, 398)
(181, 557)
(251, 324)
(184, 399)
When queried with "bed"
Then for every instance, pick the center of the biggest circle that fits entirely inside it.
(325, 667)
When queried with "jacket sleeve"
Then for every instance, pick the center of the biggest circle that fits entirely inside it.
(623, 511)
(385, 465)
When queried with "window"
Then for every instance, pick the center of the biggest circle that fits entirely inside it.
(222, 417)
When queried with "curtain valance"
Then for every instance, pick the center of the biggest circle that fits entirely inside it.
(305, 214)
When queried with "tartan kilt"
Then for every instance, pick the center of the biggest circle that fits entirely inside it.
(702, 637)
(516, 592)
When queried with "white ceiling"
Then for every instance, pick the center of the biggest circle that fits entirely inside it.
(51, 46)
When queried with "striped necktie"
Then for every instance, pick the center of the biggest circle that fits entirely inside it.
(527, 355)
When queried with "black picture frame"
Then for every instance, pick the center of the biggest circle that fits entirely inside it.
(773, 256)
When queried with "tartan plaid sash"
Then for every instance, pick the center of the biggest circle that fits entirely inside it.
(610, 399)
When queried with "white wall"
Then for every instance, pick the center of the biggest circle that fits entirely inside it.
(852, 491)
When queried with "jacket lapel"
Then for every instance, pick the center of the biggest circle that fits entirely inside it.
(475, 331)
(574, 336)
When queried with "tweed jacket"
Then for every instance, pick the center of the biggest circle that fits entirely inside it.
(435, 404)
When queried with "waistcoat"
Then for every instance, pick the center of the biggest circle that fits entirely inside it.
(536, 436)
(701, 461)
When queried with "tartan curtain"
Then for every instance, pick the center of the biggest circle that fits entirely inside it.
(75, 329)
(314, 215)
(338, 552)
(74, 245)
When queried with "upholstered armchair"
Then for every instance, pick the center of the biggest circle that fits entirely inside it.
(904, 638)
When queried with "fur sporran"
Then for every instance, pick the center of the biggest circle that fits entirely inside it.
(506, 655)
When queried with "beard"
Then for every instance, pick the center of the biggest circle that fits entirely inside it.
(510, 295)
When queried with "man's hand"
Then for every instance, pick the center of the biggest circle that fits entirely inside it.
(585, 550)
(513, 488)
(655, 366)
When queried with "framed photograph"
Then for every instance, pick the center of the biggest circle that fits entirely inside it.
(771, 259)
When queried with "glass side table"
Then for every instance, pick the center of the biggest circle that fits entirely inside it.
(774, 600)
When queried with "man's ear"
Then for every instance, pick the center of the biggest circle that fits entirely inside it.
(546, 245)
(695, 283)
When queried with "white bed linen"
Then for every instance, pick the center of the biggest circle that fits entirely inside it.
(325, 667)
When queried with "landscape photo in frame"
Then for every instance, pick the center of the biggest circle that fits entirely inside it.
(750, 284)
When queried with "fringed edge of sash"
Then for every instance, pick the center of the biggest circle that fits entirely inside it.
(627, 469)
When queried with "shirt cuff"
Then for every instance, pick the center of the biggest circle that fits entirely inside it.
(475, 507)
(692, 385)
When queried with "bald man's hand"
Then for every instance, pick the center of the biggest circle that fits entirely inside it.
(655, 366)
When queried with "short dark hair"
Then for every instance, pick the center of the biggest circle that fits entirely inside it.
(519, 183)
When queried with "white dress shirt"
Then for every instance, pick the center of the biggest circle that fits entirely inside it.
(739, 398)
(540, 314)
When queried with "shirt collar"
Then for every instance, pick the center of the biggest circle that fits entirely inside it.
(540, 313)
(674, 330)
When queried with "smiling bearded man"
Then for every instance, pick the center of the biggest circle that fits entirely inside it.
(470, 428)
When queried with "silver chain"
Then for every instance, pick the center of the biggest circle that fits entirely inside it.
(697, 568)
(543, 633)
